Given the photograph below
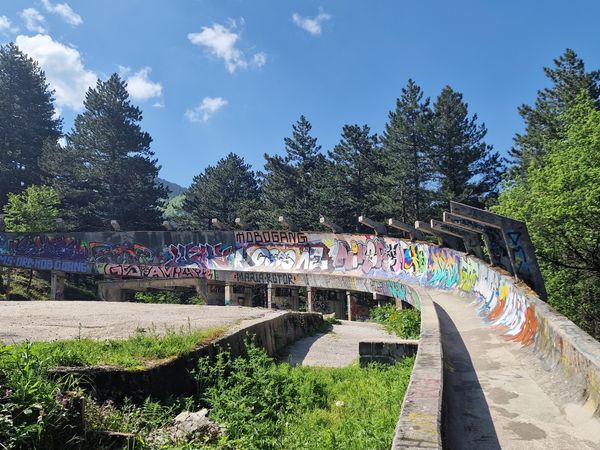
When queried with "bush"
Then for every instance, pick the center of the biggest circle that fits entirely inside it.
(406, 323)
(254, 397)
(37, 411)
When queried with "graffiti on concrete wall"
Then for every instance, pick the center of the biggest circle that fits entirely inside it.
(359, 262)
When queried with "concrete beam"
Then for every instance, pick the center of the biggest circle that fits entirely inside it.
(288, 223)
(228, 293)
(517, 241)
(332, 226)
(444, 239)
(379, 228)
(413, 233)
(470, 240)
(492, 237)
(218, 224)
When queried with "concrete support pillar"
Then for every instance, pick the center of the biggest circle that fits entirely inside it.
(247, 295)
(349, 304)
(269, 296)
(377, 297)
(310, 292)
(295, 299)
(228, 293)
(57, 285)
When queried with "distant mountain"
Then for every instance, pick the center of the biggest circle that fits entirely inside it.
(173, 187)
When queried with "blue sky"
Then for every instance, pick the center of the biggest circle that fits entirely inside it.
(229, 75)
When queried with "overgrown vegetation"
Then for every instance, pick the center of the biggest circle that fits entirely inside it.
(36, 412)
(135, 351)
(262, 405)
(406, 323)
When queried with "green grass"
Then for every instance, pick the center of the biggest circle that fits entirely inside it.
(406, 323)
(360, 410)
(134, 352)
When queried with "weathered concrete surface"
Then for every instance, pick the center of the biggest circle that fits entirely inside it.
(497, 395)
(419, 423)
(50, 320)
(339, 347)
(386, 352)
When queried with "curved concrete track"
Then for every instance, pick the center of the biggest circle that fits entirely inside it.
(339, 347)
(497, 395)
(49, 320)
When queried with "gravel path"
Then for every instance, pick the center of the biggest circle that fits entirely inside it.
(49, 320)
(339, 347)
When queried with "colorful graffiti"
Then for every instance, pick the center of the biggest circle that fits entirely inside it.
(364, 262)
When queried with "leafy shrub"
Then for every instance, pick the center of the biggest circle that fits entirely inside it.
(254, 397)
(37, 411)
(406, 323)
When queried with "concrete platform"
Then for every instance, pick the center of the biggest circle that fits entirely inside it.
(339, 347)
(50, 320)
(498, 395)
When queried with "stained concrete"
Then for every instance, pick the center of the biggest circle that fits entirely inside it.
(498, 395)
(49, 320)
(339, 347)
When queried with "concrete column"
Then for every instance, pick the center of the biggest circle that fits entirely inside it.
(377, 297)
(269, 296)
(295, 299)
(247, 295)
(349, 304)
(228, 293)
(57, 285)
(310, 292)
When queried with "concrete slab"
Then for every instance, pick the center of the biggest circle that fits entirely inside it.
(498, 395)
(339, 347)
(50, 320)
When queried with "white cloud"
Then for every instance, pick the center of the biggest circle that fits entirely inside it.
(139, 85)
(34, 21)
(160, 104)
(221, 42)
(64, 11)
(259, 59)
(311, 24)
(205, 110)
(6, 25)
(63, 67)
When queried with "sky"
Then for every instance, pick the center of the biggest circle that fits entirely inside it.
(220, 76)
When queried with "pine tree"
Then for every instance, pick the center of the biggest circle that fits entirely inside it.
(406, 145)
(26, 120)
(293, 183)
(542, 121)
(352, 180)
(224, 191)
(465, 167)
(107, 170)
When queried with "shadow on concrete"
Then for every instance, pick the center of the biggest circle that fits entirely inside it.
(466, 422)
(295, 354)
